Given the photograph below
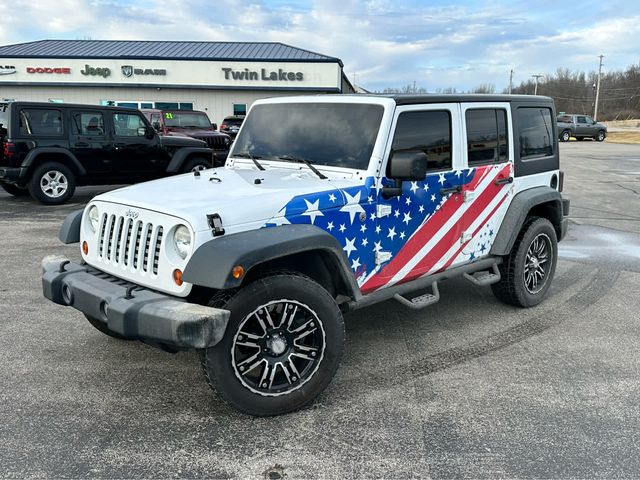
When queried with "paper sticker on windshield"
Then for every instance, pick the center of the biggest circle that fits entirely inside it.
(168, 115)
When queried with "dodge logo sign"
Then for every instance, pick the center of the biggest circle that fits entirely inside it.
(127, 70)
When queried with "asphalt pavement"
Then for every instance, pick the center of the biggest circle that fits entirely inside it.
(467, 388)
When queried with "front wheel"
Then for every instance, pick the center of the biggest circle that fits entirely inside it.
(52, 183)
(527, 271)
(282, 347)
(196, 165)
(600, 136)
(565, 136)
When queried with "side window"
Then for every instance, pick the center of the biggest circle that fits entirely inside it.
(428, 131)
(535, 132)
(128, 125)
(589, 120)
(581, 119)
(487, 140)
(40, 122)
(88, 123)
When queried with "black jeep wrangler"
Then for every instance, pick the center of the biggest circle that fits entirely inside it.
(49, 149)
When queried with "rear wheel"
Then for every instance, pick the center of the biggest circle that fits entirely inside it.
(282, 347)
(565, 136)
(102, 327)
(600, 136)
(52, 183)
(529, 268)
(15, 190)
(196, 164)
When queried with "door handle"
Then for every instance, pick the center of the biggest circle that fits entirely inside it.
(456, 189)
(81, 144)
(503, 181)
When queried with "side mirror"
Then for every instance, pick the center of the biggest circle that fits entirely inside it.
(149, 133)
(156, 126)
(408, 165)
(214, 126)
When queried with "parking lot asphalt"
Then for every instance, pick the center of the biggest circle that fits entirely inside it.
(466, 388)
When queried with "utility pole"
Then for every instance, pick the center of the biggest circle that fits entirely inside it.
(535, 92)
(595, 110)
(510, 81)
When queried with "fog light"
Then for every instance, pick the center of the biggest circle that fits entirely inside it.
(85, 248)
(67, 294)
(177, 276)
(237, 271)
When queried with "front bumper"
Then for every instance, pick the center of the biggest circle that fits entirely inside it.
(130, 310)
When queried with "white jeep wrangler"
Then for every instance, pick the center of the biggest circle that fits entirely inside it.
(326, 204)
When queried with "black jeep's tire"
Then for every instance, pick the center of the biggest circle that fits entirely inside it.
(565, 136)
(600, 136)
(102, 326)
(14, 190)
(196, 164)
(282, 347)
(528, 270)
(52, 183)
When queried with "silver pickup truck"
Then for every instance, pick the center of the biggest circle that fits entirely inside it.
(580, 127)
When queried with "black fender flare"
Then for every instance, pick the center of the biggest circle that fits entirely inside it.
(522, 203)
(211, 264)
(36, 152)
(70, 229)
(183, 153)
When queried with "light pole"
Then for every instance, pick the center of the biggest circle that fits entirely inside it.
(510, 81)
(595, 110)
(535, 92)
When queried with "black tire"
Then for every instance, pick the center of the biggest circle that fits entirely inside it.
(565, 136)
(600, 136)
(256, 367)
(52, 183)
(15, 190)
(520, 269)
(196, 164)
(102, 327)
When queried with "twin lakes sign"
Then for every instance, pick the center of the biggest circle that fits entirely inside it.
(265, 75)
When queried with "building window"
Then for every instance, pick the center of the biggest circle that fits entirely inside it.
(486, 136)
(239, 109)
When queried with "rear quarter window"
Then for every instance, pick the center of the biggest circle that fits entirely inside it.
(40, 121)
(535, 132)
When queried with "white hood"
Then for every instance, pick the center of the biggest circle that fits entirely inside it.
(239, 196)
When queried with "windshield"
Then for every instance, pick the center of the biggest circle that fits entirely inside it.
(335, 134)
(187, 120)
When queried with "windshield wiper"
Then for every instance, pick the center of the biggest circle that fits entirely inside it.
(248, 155)
(290, 158)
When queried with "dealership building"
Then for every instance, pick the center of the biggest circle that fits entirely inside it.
(221, 78)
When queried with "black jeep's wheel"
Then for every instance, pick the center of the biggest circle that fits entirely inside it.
(15, 190)
(102, 326)
(196, 164)
(282, 346)
(528, 270)
(565, 136)
(52, 183)
(600, 136)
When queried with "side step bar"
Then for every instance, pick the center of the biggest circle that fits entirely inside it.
(484, 277)
(422, 301)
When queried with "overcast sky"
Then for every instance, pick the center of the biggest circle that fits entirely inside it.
(383, 43)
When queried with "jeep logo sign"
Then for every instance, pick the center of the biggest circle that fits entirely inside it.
(103, 72)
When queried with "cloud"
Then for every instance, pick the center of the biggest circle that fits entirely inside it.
(385, 43)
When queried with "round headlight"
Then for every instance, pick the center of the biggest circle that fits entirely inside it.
(182, 241)
(94, 218)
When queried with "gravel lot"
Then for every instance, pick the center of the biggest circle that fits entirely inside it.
(466, 388)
